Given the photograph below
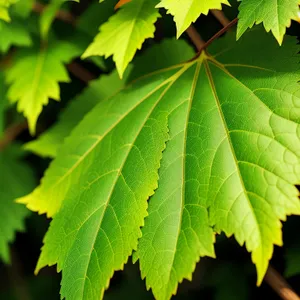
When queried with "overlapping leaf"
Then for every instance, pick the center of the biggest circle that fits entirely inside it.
(48, 143)
(16, 179)
(35, 76)
(4, 6)
(13, 34)
(48, 198)
(167, 53)
(186, 12)
(230, 164)
(102, 219)
(275, 15)
(125, 32)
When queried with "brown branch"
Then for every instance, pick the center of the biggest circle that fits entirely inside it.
(218, 34)
(80, 72)
(11, 134)
(61, 14)
(279, 285)
(220, 16)
(195, 37)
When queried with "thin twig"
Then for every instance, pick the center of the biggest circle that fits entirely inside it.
(195, 37)
(220, 16)
(218, 34)
(61, 14)
(11, 134)
(80, 72)
(279, 285)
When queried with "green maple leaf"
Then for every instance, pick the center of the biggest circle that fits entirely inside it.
(276, 15)
(240, 159)
(13, 34)
(4, 6)
(125, 32)
(104, 219)
(186, 12)
(16, 179)
(49, 142)
(35, 75)
(50, 195)
(230, 164)
(165, 54)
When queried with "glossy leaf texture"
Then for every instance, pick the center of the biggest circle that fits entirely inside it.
(49, 196)
(235, 155)
(124, 33)
(167, 53)
(186, 12)
(216, 138)
(35, 75)
(275, 15)
(109, 222)
(16, 179)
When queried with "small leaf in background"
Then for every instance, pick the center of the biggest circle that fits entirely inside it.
(13, 34)
(186, 12)
(35, 75)
(4, 6)
(275, 15)
(166, 54)
(16, 179)
(22, 8)
(124, 33)
(48, 16)
(98, 90)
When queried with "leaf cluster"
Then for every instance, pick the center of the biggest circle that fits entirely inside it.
(160, 152)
